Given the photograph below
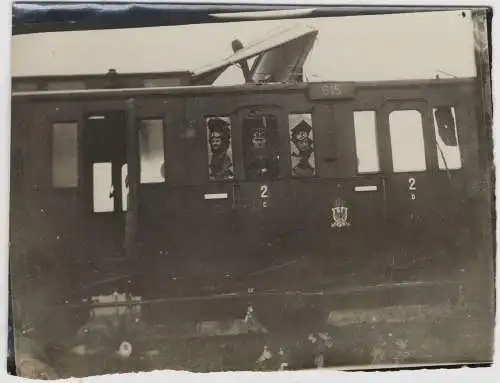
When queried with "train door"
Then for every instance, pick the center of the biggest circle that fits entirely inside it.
(353, 190)
(411, 159)
(161, 157)
(50, 141)
(104, 158)
(265, 195)
(450, 125)
(212, 182)
(367, 189)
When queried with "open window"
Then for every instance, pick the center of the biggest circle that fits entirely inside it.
(260, 146)
(302, 145)
(103, 155)
(66, 85)
(65, 155)
(124, 179)
(151, 150)
(103, 200)
(366, 141)
(445, 128)
(220, 153)
(28, 86)
(407, 141)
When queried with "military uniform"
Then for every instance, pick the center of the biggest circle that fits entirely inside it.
(261, 162)
(221, 166)
(304, 145)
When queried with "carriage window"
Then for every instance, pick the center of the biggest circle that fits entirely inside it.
(445, 128)
(260, 135)
(24, 86)
(220, 154)
(65, 155)
(301, 145)
(124, 187)
(151, 151)
(103, 188)
(366, 141)
(161, 82)
(66, 85)
(407, 141)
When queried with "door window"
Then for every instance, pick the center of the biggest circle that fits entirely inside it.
(407, 141)
(220, 153)
(124, 178)
(301, 145)
(103, 187)
(445, 129)
(151, 149)
(260, 146)
(65, 155)
(366, 141)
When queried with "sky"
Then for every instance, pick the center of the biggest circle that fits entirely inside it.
(387, 47)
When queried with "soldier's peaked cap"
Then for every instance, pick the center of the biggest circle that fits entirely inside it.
(256, 127)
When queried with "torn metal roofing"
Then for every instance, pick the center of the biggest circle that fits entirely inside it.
(280, 56)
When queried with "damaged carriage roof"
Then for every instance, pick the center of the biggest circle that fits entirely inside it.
(279, 56)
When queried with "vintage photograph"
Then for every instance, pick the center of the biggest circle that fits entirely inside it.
(271, 193)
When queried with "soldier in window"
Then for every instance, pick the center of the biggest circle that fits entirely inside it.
(221, 166)
(262, 161)
(304, 145)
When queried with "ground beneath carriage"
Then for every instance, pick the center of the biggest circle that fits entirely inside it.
(361, 332)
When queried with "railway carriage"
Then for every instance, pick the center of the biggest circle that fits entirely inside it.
(161, 221)
(116, 187)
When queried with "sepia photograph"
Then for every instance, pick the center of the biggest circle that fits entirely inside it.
(261, 191)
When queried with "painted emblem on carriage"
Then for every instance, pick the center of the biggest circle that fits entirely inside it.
(340, 215)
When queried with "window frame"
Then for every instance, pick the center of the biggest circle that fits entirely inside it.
(113, 210)
(77, 124)
(138, 121)
(283, 145)
(61, 85)
(376, 127)
(421, 105)
(428, 166)
(315, 152)
(454, 109)
(205, 136)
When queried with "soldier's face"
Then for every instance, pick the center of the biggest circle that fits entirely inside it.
(258, 142)
(301, 136)
(302, 145)
(302, 141)
(216, 141)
